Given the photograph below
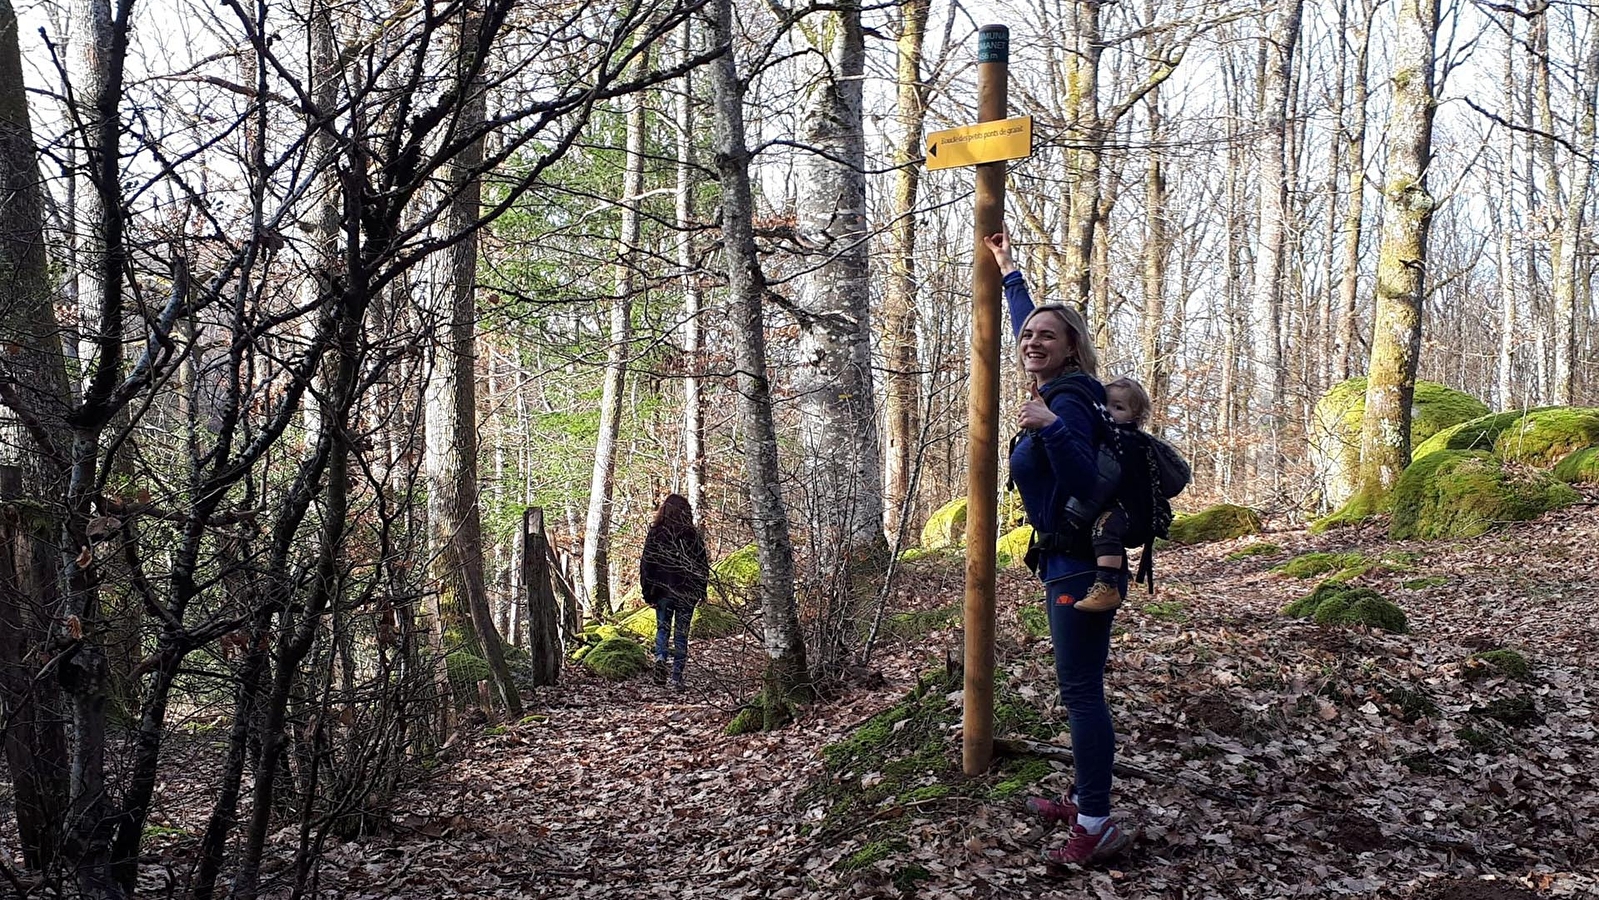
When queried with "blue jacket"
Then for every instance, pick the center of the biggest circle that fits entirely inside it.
(1055, 462)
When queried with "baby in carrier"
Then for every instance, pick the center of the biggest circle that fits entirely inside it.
(1128, 403)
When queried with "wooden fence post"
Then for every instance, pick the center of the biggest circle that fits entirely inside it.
(543, 616)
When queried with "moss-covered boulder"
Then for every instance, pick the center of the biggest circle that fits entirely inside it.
(1581, 467)
(1544, 437)
(617, 659)
(466, 670)
(1337, 603)
(946, 527)
(1463, 493)
(1011, 548)
(710, 621)
(1474, 434)
(736, 577)
(1335, 428)
(1218, 523)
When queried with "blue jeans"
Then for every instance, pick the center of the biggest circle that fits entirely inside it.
(673, 616)
(1082, 642)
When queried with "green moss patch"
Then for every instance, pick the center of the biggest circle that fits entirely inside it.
(465, 669)
(1410, 704)
(1475, 434)
(908, 753)
(1018, 775)
(1579, 467)
(946, 527)
(1165, 610)
(1422, 584)
(736, 576)
(1507, 663)
(1034, 620)
(617, 659)
(918, 623)
(1543, 437)
(1254, 550)
(1309, 565)
(1337, 603)
(1218, 523)
(1011, 548)
(1336, 426)
(1454, 493)
(873, 853)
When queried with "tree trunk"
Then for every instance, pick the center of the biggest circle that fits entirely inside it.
(838, 425)
(597, 528)
(1564, 264)
(454, 507)
(787, 678)
(1401, 265)
(693, 343)
(1266, 319)
(1504, 369)
(1156, 367)
(902, 399)
(1084, 138)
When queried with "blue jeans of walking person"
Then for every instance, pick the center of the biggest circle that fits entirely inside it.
(1082, 643)
(673, 616)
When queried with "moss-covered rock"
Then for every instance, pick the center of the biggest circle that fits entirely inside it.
(1336, 421)
(1011, 548)
(1543, 437)
(1474, 434)
(946, 527)
(1454, 493)
(466, 670)
(1218, 523)
(1579, 467)
(1507, 663)
(617, 658)
(736, 577)
(1309, 565)
(1337, 603)
(711, 620)
(1254, 550)
(918, 623)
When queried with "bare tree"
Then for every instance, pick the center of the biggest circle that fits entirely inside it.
(1402, 263)
(787, 678)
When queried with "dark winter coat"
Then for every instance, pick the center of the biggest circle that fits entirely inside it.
(673, 565)
(1051, 464)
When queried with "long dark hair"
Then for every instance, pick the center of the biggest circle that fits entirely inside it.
(675, 517)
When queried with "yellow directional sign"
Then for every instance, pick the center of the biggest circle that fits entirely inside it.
(985, 142)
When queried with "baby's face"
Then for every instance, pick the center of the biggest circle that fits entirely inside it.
(1120, 409)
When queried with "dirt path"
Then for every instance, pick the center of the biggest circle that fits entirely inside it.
(1359, 764)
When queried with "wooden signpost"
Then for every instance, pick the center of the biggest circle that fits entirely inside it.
(985, 145)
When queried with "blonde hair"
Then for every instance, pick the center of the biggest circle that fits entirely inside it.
(1137, 398)
(1083, 356)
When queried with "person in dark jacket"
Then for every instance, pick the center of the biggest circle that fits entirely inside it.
(1055, 460)
(673, 571)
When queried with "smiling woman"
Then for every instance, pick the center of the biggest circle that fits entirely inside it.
(1056, 461)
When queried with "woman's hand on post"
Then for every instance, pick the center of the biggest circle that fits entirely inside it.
(1035, 413)
(999, 245)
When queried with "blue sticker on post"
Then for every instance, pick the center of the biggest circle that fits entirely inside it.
(993, 44)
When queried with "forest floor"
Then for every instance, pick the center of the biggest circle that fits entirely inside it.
(1278, 758)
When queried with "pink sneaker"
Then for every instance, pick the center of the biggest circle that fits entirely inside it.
(1053, 811)
(1084, 848)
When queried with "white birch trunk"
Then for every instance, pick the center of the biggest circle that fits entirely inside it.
(838, 427)
(597, 525)
(786, 671)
